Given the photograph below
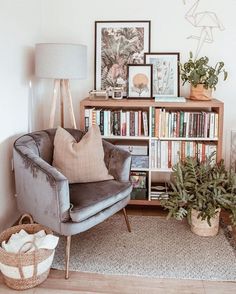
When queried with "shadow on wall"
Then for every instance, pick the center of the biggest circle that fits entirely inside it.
(8, 211)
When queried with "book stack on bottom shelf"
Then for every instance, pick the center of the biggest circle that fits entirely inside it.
(159, 191)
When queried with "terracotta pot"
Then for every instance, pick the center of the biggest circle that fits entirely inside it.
(200, 93)
(201, 227)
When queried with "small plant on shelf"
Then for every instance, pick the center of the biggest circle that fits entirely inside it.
(202, 189)
(201, 76)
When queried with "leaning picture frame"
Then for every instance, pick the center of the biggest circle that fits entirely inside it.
(139, 81)
(165, 81)
(118, 43)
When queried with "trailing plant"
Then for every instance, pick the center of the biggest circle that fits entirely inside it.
(199, 72)
(203, 186)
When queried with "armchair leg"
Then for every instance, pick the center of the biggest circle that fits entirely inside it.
(68, 242)
(126, 220)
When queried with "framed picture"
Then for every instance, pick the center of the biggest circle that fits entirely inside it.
(118, 43)
(165, 81)
(139, 80)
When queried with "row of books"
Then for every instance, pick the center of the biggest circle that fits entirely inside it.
(165, 154)
(168, 124)
(118, 122)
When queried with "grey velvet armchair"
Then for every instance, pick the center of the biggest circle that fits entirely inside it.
(68, 209)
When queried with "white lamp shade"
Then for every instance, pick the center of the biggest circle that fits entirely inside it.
(60, 61)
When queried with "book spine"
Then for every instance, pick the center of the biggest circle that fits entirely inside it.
(140, 123)
(102, 122)
(86, 119)
(145, 123)
(123, 123)
(132, 123)
(153, 122)
(157, 122)
(128, 123)
(136, 123)
(216, 125)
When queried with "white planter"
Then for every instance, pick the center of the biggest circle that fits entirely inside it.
(201, 227)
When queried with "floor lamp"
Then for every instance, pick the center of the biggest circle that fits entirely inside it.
(61, 62)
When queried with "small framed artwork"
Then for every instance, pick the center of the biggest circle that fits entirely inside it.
(118, 43)
(165, 81)
(139, 81)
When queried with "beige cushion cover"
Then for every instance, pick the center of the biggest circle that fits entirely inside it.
(83, 161)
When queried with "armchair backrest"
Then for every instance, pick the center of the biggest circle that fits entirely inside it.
(41, 143)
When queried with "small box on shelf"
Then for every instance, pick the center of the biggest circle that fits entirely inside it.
(139, 182)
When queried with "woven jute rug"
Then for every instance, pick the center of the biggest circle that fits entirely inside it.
(156, 247)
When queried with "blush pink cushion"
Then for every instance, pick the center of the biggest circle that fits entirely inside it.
(83, 161)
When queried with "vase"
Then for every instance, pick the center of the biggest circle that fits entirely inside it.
(200, 93)
(201, 227)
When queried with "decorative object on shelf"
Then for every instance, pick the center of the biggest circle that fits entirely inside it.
(205, 187)
(117, 93)
(98, 95)
(165, 80)
(139, 182)
(118, 43)
(202, 77)
(61, 62)
(139, 162)
(139, 81)
(170, 99)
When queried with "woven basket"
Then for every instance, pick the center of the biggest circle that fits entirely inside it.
(201, 227)
(25, 270)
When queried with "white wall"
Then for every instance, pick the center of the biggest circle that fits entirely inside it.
(20, 23)
(26, 22)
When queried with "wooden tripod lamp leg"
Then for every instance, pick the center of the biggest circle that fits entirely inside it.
(54, 102)
(62, 101)
(70, 104)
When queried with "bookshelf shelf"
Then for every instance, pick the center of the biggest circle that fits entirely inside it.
(162, 170)
(140, 138)
(181, 120)
(140, 169)
(184, 139)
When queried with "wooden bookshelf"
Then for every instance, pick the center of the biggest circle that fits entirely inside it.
(146, 105)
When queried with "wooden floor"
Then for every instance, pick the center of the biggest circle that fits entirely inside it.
(97, 283)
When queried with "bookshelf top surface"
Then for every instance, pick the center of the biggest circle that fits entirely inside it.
(137, 103)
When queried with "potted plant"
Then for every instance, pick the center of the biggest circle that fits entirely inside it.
(199, 191)
(201, 76)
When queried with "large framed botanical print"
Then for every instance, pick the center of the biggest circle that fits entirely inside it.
(165, 81)
(118, 43)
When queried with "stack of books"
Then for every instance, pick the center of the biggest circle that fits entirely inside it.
(159, 191)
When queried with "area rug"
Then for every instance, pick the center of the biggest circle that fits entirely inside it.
(156, 247)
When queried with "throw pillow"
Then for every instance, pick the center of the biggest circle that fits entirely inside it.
(83, 161)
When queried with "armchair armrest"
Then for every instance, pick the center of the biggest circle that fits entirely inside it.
(40, 189)
(118, 162)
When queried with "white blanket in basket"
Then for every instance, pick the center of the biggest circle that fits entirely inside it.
(22, 241)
